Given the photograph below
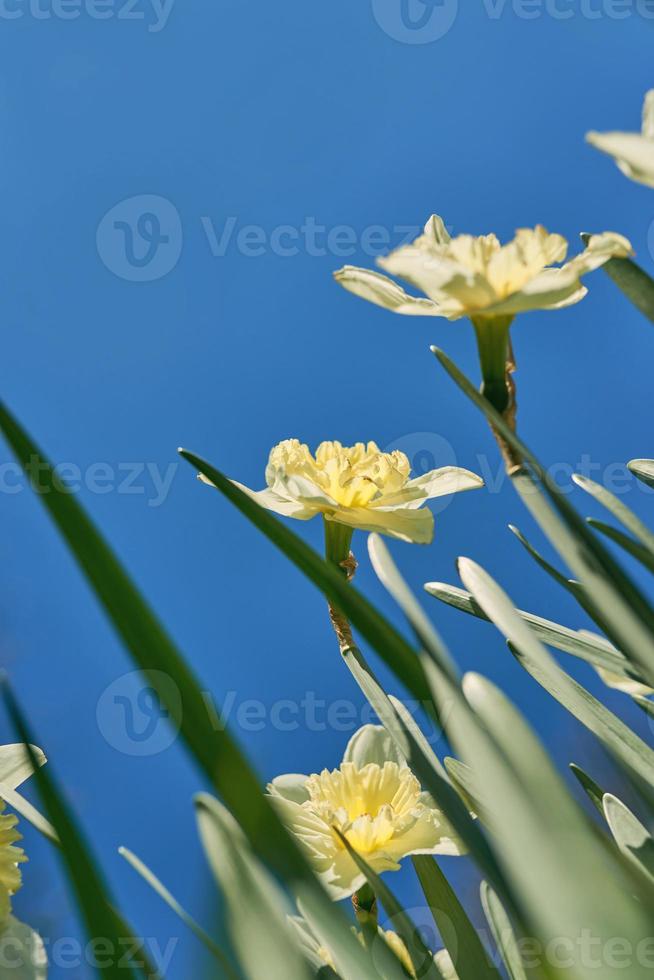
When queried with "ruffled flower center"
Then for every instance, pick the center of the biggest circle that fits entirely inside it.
(352, 476)
(368, 805)
(10, 858)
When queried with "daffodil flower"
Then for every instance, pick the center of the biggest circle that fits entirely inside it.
(374, 800)
(486, 281)
(633, 152)
(357, 487)
(480, 278)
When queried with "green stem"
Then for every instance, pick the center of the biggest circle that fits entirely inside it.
(493, 345)
(364, 902)
(338, 538)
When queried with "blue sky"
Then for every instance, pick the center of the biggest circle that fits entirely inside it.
(261, 146)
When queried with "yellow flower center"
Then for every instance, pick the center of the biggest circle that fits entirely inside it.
(10, 858)
(366, 805)
(351, 475)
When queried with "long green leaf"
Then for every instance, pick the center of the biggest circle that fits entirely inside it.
(165, 895)
(634, 282)
(257, 909)
(468, 954)
(589, 647)
(593, 791)
(93, 898)
(619, 510)
(633, 839)
(643, 469)
(503, 933)
(633, 548)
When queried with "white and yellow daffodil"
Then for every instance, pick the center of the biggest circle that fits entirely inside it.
(356, 486)
(479, 277)
(633, 152)
(373, 800)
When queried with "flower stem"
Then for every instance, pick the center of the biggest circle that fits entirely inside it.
(497, 367)
(338, 538)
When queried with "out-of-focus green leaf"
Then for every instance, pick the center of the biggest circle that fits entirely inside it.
(388, 574)
(625, 746)
(461, 939)
(562, 873)
(643, 469)
(421, 957)
(142, 869)
(619, 510)
(633, 839)
(593, 649)
(382, 636)
(645, 704)
(463, 779)
(503, 933)
(594, 792)
(617, 603)
(633, 548)
(93, 898)
(634, 282)
(257, 910)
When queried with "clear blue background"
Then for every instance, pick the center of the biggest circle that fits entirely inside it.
(268, 113)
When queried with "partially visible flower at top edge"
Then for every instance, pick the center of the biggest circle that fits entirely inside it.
(374, 800)
(358, 487)
(632, 152)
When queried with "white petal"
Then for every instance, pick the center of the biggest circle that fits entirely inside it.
(436, 232)
(372, 743)
(444, 481)
(648, 115)
(272, 500)
(405, 524)
(633, 152)
(23, 952)
(383, 291)
(290, 787)
(15, 764)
